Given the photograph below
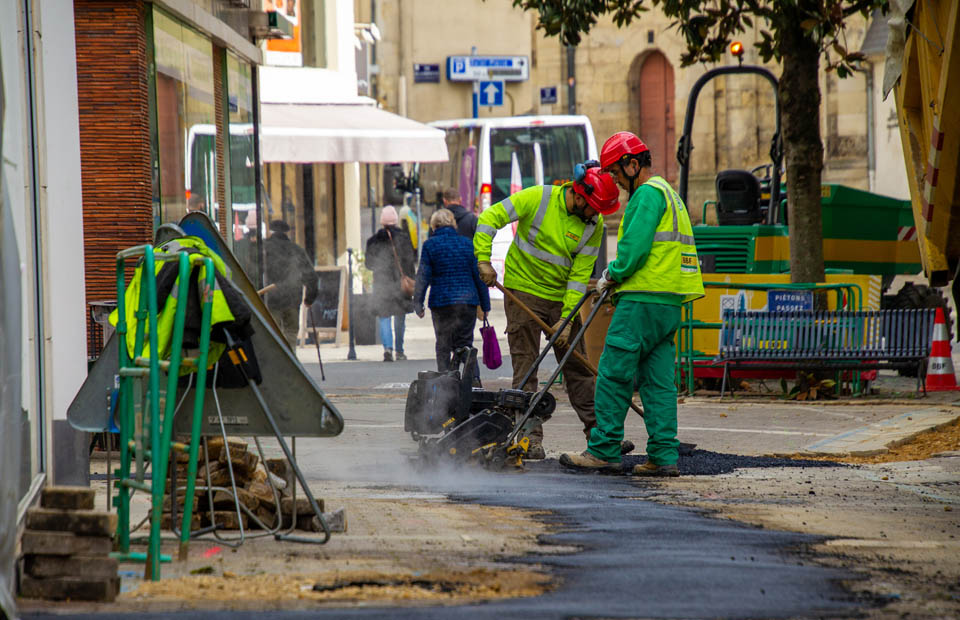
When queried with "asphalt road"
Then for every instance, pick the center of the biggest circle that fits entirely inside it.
(638, 558)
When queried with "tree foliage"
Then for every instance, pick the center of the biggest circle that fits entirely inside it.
(708, 26)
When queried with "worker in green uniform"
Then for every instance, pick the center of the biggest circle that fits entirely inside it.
(656, 270)
(548, 266)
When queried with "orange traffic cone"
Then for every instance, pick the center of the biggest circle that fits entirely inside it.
(940, 377)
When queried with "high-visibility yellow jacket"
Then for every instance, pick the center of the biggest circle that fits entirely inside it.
(553, 252)
(166, 310)
(656, 263)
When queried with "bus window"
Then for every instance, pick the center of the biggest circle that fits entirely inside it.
(435, 177)
(202, 168)
(243, 194)
(561, 147)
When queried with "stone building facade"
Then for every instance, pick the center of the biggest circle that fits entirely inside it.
(631, 78)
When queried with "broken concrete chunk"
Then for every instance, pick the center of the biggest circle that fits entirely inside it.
(90, 567)
(73, 588)
(64, 543)
(67, 498)
(82, 522)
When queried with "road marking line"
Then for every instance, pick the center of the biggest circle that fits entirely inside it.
(751, 430)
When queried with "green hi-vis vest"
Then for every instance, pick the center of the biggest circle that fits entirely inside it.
(553, 251)
(672, 265)
(166, 310)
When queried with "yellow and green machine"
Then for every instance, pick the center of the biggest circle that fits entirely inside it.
(863, 233)
(867, 238)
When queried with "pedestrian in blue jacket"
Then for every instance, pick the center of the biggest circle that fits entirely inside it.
(449, 268)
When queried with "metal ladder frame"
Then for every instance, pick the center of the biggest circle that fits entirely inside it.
(156, 431)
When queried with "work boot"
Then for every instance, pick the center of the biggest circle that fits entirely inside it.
(400, 356)
(388, 355)
(649, 469)
(535, 453)
(586, 462)
(626, 447)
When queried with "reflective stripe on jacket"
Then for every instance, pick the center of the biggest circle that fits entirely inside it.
(672, 265)
(553, 251)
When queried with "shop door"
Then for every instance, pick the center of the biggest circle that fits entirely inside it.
(652, 102)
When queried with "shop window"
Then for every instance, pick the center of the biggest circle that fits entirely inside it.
(186, 119)
(243, 191)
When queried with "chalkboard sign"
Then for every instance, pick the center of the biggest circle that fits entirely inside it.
(329, 306)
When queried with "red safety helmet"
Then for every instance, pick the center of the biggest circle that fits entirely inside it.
(599, 190)
(618, 146)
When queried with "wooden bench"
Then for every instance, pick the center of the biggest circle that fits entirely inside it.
(825, 340)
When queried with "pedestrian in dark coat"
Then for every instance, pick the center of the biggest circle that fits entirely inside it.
(466, 220)
(289, 269)
(389, 298)
(449, 268)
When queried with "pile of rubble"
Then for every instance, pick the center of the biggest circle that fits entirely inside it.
(253, 491)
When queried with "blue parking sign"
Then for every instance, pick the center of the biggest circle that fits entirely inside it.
(491, 92)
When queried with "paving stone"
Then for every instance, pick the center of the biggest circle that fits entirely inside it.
(167, 524)
(67, 498)
(336, 521)
(73, 588)
(227, 520)
(82, 522)
(64, 543)
(303, 506)
(225, 500)
(88, 567)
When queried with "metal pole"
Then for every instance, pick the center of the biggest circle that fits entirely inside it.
(419, 224)
(352, 353)
(476, 89)
(475, 98)
(571, 79)
(373, 209)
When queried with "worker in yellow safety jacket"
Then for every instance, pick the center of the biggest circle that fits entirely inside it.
(655, 272)
(547, 268)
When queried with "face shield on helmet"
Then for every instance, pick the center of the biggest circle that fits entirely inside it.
(596, 187)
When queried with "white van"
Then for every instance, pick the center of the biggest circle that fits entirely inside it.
(481, 154)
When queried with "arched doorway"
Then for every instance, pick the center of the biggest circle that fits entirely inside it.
(652, 109)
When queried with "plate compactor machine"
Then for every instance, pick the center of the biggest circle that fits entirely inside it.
(453, 420)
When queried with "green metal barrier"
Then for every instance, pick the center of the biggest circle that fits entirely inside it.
(145, 433)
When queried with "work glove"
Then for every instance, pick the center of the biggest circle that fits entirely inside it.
(564, 336)
(605, 282)
(488, 275)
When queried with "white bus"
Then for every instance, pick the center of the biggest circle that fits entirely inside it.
(482, 149)
(482, 152)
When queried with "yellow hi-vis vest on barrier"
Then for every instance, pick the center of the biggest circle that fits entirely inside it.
(672, 265)
(166, 308)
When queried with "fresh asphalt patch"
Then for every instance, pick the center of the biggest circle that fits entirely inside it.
(707, 463)
(635, 557)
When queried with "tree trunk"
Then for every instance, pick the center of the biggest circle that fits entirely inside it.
(800, 117)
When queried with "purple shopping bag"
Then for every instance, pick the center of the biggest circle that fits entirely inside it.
(491, 347)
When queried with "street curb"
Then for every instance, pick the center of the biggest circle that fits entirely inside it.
(879, 437)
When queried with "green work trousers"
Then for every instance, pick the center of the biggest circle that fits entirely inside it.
(640, 343)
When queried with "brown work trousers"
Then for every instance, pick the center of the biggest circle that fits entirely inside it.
(523, 336)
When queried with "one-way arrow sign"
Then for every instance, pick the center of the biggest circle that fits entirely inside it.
(491, 93)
